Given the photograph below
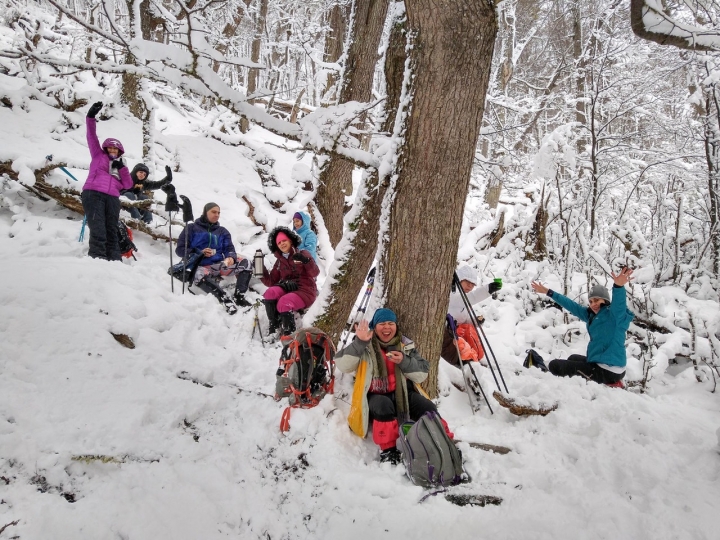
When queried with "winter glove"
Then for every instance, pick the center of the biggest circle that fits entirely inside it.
(94, 109)
(301, 258)
(288, 285)
(117, 164)
(494, 287)
(168, 174)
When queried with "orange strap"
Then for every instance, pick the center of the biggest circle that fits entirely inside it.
(285, 420)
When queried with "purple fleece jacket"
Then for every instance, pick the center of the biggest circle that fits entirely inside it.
(99, 177)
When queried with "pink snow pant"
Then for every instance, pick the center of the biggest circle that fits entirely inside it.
(286, 301)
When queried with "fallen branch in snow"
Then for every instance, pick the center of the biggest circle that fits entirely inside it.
(94, 458)
(185, 376)
(523, 409)
(12, 523)
(502, 450)
(70, 198)
(124, 340)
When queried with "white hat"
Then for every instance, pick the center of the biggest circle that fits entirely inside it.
(465, 273)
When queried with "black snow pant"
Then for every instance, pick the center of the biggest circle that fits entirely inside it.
(102, 212)
(382, 406)
(577, 364)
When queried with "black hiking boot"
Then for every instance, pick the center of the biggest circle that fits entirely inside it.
(213, 288)
(287, 323)
(272, 315)
(240, 300)
(391, 455)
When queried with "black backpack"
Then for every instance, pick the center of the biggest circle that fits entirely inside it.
(125, 239)
(306, 372)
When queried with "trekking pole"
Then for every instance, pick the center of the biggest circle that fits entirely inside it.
(494, 357)
(172, 284)
(82, 229)
(364, 301)
(256, 324)
(453, 330)
(187, 218)
(471, 311)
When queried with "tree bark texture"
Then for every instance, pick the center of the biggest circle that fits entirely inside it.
(351, 275)
(451, 54)
(334, 43)
(336, 175)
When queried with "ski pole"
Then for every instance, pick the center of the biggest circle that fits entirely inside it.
(370, 280)
(473, 317)
(453, 331)
(82, 229)
(494, 357)
(63, 169)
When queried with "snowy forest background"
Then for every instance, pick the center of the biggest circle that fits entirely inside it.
(573, 147)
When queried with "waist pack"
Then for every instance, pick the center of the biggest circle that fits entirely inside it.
(431, 458)
(306, 371)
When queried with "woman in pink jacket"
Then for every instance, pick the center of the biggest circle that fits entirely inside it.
(108, 175)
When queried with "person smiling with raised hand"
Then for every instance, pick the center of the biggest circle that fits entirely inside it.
(607, 319)
(388, 370)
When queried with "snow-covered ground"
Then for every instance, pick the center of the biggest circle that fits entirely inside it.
(98, 441)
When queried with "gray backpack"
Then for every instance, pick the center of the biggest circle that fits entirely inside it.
(431, 458)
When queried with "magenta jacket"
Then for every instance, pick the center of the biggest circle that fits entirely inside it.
(100, 177)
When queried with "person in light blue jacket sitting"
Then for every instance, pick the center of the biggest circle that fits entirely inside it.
(607, 323)
(301, 225)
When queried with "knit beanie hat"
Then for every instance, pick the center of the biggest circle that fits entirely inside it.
(465, 273)
(598, 291)
(209, 206)
(280, 237)
(299, 216)
(383, 315)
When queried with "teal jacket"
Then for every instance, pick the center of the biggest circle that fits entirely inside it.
(607, 329)
(309, 238)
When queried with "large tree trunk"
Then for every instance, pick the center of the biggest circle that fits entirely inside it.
(336, 174)
(451, 54)
(350, 276)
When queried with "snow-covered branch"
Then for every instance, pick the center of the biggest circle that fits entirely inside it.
(651, 22)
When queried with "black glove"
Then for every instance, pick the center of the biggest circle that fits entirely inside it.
(288, 285)
(301, 258)
(117, 164)
(494, 287)
(94, 109)
(168, 174)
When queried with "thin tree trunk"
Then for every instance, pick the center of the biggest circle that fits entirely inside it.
(336, 174)
(334, 43)
(350, 276)
(451, 54)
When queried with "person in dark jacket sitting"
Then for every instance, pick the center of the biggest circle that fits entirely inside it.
(291, 282)
(210, 247)
(139, 176)
(607, 323)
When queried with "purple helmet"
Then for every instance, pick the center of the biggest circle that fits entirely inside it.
(113, 142)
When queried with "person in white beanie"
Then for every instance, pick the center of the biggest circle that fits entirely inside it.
(468, 341)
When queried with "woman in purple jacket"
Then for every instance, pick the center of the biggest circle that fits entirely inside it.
(108, 175)
(291, 282)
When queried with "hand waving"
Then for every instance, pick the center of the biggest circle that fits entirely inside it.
(363, 331)
(622, 277)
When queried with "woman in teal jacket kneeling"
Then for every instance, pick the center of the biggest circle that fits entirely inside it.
(607, 323)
